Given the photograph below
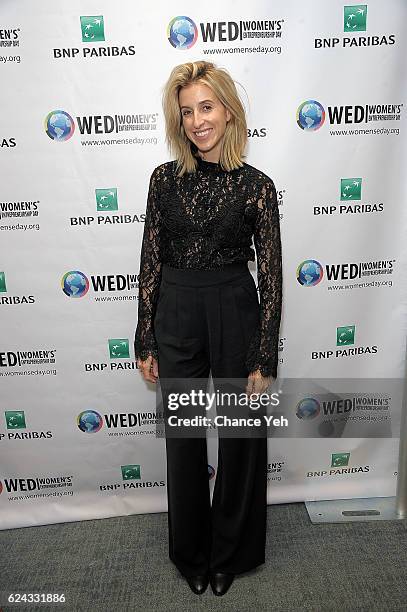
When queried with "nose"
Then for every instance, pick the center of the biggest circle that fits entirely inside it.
(197, 119)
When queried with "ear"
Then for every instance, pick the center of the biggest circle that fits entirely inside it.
(228, 115)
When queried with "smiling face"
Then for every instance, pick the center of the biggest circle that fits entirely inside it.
(204, 119)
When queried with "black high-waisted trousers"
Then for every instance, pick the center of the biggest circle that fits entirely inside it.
(203, 323)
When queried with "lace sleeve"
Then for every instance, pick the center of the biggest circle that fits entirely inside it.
(149, 274)
(263, 350)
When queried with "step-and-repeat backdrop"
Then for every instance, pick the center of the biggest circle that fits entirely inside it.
(81, 130)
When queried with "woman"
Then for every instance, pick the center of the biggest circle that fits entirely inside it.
(199, 313)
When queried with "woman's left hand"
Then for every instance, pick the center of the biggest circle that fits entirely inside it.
(258, 383)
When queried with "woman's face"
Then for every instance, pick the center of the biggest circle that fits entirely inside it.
(204, 119)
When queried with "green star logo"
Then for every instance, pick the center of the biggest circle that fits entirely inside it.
(351, 189)
(131, 472)
(93, 28)
(3, 287)
(106, 199)
(15, 419)
(345, 335)
(354, 18)
(340, 459)
(119, 348)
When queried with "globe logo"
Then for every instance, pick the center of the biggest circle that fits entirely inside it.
(308, 408)
(182, 32)
(59, 125)
(326, 429)
(309, 273)
(89, 421)
(310, 115)
(211, 471)
(74, 284)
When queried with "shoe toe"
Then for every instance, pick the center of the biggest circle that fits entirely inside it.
(198, 584)
(220, 582)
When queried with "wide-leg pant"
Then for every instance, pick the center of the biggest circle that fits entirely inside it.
(203, 323)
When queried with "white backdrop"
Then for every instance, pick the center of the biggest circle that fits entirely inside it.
(70, 82)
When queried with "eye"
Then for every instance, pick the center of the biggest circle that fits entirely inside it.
(185, 113)
(207, 107)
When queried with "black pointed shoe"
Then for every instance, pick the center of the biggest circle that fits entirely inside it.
(220, 583)
(198, 584)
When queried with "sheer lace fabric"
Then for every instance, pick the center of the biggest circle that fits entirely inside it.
(206, 220)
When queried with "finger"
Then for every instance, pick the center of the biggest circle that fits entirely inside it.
(144, 364)
(256, 386)
(249, 387)
(151, 378)
(140, 364)
(148, 375)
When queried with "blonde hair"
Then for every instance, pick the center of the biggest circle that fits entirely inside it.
(223, 86)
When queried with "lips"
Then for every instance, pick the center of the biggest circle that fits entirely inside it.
(202, 134)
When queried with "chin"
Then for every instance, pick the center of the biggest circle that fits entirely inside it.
(205, 148)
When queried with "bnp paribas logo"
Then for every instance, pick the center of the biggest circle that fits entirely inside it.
(354, 18)
(131, 472)
(3, 287)
(93, 28)
(351, 189)
(15, 419)
(339, 459)
(119, 348)
(345, 335)
(106, 199)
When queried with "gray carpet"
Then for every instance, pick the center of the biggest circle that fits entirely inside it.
(121, 564)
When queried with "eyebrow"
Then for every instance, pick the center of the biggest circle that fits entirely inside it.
(201, 102)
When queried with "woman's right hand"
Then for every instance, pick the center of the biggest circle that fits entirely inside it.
(148, 368)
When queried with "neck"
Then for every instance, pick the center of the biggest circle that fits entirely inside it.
(212, 156)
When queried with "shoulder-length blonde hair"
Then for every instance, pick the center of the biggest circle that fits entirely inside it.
(221, 83)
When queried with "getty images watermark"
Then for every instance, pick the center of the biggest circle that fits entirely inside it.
(288, 408)
(189, 409)
(208, 401)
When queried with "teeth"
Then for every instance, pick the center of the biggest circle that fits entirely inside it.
(202, 133)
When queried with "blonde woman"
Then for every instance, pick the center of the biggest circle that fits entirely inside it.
(199, 313)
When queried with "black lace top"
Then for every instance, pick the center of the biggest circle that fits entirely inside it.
(204, 220)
